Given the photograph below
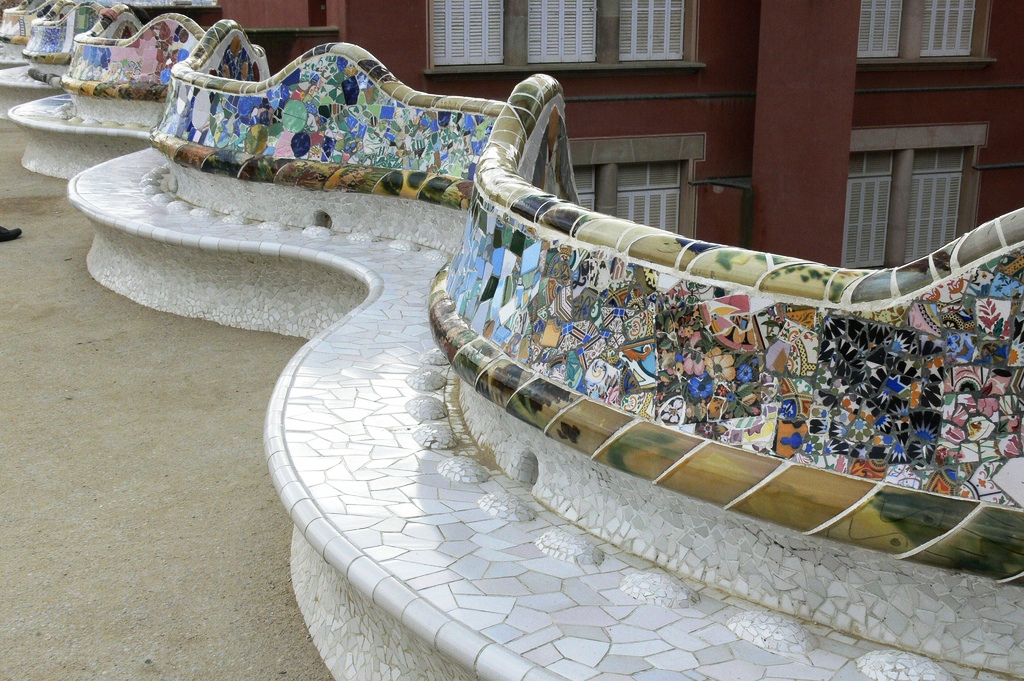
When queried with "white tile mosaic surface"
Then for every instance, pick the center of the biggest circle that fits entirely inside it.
(381, 525)
(17, 88)
(62, 145)
(409, 222)
(965, 619)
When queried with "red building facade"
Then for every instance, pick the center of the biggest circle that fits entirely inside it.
(854, 132)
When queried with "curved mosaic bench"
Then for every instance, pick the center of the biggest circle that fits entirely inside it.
(16, 86)
(319, 141)
(107, 71)
(409, 559)
(15, 27)
(10, 55)
(877, 408)
(53, 36)
(71, 132)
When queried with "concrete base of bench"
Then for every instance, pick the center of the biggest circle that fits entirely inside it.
(62, 145)
(16, 87)
(413, 555)
(122, 112)
(414, 221)
(11, 55)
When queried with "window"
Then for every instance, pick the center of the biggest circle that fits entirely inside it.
(934, 200)
(585, 185)
(947, 29)
(880, 28)
(648, 193)
(484, 32)
(867, 209)
(467, 32)
(650, 29)
(562, 31)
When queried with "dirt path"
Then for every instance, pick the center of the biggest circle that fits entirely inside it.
(140, 535)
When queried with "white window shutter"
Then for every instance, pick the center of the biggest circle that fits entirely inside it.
(867, 209)
(467, 32)
(562, 31)
(648, 193)
(650, 30)
(879, 28)
(867, 215)
(947, 28)
(934, 200)
(584, 176)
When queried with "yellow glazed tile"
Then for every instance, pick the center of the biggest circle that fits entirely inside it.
(718, 473)
(804, 498)
(646, 450)
(731, 264)
(587, 425)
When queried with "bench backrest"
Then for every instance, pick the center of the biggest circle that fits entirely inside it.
(107, 63)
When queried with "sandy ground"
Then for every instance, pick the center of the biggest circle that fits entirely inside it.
(140, 535)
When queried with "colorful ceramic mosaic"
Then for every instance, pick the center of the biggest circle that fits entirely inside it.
(132, 67)
(333, 119)
(827, 389)
(52, 36)
(17, 22)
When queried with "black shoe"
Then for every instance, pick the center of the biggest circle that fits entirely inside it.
(9, 234)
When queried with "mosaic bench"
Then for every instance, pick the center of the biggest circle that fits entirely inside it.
(71, 132)
(16, 86)
(15, 27)
(321, 141)
(116, 86)
(124, 77)
(670, 384)
(52, 37)
(413, 556)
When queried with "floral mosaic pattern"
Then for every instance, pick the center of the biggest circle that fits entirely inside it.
(52, 37)
(137, 66)
(333, 119)
(923, 392)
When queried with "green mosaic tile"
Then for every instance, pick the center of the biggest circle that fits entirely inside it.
(539, 401)
(991, 543)
(736, 265)
(801, 280)
(719, 473)
(896, 520)
(501, 380)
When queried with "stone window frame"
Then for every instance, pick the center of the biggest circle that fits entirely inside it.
(607, 153)
(903, 142)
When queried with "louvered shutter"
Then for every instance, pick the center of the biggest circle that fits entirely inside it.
(650, 29)
(947, 28)
(585, 185)
(867, 209)
(467, 32)
(879, 28)
(648, 193)
(562, 31)
(934, 201)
